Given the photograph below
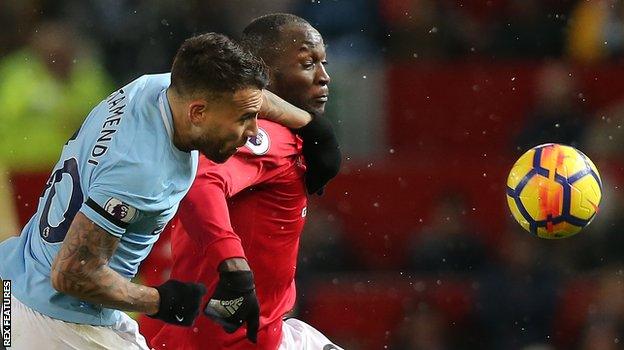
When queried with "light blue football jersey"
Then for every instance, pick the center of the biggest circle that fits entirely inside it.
(123, 172)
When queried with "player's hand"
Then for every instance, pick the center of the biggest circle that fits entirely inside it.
(234, 302)
(321, 152)
(179, 302)
(274, 108)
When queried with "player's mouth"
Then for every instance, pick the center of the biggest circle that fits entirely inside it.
(320, 99)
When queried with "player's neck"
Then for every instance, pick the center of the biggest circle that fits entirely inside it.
(180, 139)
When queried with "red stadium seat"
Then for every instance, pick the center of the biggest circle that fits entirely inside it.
(571, 313)
(366, 310)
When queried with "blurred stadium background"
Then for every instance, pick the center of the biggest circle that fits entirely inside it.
(412, 246)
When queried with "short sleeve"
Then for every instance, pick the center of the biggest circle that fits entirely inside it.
(111, 213)
(124, 187)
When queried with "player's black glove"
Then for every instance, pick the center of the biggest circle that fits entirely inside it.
(321, 152)
(234, 302)
(179, 302)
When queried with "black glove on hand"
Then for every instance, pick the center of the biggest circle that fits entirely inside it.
(179, 302)
(234, 302)
(321, 152)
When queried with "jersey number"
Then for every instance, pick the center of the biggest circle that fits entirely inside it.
(55, 234)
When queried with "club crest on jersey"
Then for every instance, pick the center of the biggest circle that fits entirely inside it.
(120, 210)
(260, 143)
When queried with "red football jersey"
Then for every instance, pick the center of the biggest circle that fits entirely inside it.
(261, 220)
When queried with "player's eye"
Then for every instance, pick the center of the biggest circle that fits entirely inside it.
(247, 117)
(307, 65)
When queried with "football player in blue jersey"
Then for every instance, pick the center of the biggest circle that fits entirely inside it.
(118, 182)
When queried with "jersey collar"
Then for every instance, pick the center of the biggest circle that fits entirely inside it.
(165, 112)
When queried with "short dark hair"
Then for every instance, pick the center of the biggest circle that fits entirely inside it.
(213, 63)
(263, 33)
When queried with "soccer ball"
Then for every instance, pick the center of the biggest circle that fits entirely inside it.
(554, 191)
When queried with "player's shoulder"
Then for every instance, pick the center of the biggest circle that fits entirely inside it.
(272, 140)
(134, 133)
(147, 81)
(138, 97)
(144, 121)
(276, 130)
(124, 123)
(145, 89)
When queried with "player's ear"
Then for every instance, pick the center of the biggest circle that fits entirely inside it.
(197, 111)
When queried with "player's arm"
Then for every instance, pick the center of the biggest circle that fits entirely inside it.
(81, 270)
(204, 212)
(234, 264)
(276, 109)
(205, 216)
(321, 152)
(320, 144)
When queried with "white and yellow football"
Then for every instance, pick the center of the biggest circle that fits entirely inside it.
(553, 191)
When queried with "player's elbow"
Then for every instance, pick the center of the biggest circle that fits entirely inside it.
(328, 166)
(63, 278)
(332, 163)
(58, 280)
(322, 169)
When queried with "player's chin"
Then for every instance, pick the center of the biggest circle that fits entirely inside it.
(317, 108)
(219, 156)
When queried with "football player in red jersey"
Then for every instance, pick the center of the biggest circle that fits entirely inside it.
(220, 243)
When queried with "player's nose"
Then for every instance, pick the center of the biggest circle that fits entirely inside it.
(323, 77)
